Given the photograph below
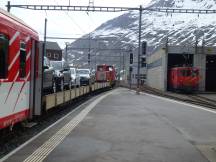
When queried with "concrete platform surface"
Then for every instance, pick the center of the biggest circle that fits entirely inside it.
(121, 126)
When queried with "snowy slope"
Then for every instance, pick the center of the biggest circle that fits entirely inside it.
(180, 29)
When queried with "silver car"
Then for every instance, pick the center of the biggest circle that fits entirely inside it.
(84, 75)
(75, 78)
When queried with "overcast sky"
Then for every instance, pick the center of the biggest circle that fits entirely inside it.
(64, 23)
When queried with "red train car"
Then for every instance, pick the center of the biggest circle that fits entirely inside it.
(184, 79)
(18, 69)
(106, 73)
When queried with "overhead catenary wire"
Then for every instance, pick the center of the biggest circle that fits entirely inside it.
(70, 17)
(74, 38)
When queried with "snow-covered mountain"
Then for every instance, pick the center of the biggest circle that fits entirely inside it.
(180, 29)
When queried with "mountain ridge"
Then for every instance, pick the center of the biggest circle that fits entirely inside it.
(157, 27)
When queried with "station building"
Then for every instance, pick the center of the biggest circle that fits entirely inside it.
(53, 51)
(166, 57)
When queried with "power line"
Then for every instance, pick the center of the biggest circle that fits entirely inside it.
(99, 49)
(188, 11)
(81, 29)
(67, 14)
(72, 38)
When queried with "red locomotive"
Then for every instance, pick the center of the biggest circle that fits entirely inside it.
(106, 73)
(184, 79)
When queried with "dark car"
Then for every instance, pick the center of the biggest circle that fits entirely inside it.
(48, 76)
(62, 75)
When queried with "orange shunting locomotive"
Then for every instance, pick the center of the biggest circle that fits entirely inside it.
(184, 78)
(106, 73)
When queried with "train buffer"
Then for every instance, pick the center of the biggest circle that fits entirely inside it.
(119, 125)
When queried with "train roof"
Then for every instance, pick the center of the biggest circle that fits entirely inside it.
(18, 20)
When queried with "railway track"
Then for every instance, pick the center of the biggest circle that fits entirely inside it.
(189, 98)
(203, 101)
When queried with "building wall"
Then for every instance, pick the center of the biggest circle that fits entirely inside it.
(181, 49)
(157, 64)
(156, 70)
(200, 62)
(134, 74)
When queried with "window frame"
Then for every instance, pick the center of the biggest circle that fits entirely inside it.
(6, 50)
(22, 74)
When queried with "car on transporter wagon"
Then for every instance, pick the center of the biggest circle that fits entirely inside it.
(75, 78)
(85, 76)
(48, 76)
(62, 74)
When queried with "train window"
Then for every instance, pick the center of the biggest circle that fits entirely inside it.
(186, 73)
(110, 68)
(4, 44)
(195, 73)
(22, 60)
(100, 68)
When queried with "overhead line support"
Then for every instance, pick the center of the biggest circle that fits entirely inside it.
(108, 9)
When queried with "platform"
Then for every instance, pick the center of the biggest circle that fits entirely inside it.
(121, 126)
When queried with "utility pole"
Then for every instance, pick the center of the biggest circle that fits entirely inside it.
(139, 51)
(89, 50)
(130, 66)
(123, 75)
(8, 6)
(66, 52)
(119, 70)
(91, 3)
(44, 52)
(45, 31)
(196, 41)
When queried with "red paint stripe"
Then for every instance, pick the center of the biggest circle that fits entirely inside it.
(14, 118)
(10, 89)
(20, 93)
(15, 68)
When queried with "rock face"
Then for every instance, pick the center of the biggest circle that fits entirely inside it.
(122, 32)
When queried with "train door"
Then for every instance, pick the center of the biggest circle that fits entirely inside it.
(36, 80)
(4, 55)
